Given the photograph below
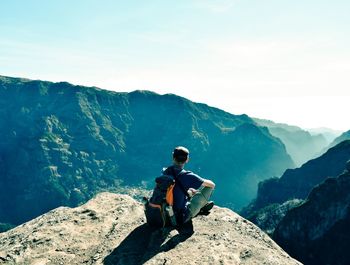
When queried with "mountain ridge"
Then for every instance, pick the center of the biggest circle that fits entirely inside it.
(69, 142)
(316, 232)
(337, 155)
(300, 143)
(278, 196)
(344, 136)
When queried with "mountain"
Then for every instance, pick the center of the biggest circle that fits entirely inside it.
(277, 196)
(267, 218)
(328, 133)
(300, 144)
(297, 183)
(111, 229)
(60, 144)
(344, 136)
(317, 232)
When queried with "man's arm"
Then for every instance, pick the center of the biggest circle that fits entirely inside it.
(208, 183)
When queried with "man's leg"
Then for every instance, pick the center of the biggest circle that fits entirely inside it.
(199, 200)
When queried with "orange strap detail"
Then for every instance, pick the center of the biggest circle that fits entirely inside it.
(169, 197)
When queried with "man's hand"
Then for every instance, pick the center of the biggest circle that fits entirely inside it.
(208, 183)
(192, 191)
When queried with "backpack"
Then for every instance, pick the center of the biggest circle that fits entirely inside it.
(159, 208)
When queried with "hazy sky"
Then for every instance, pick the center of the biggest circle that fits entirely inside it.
(285, 60)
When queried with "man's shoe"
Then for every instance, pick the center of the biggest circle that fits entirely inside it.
(205, 210)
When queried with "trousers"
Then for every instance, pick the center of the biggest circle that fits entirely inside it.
(199, 200)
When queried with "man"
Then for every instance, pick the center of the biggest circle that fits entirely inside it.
(191, 192)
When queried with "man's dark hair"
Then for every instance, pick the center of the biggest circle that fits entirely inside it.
(180, 154)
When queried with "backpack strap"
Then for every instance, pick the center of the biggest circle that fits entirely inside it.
(177, 181)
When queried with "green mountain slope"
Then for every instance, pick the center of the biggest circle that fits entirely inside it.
(60, 144)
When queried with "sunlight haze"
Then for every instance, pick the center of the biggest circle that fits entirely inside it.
(287, 61)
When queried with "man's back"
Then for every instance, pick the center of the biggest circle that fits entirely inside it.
(184, 181)
(160, 207)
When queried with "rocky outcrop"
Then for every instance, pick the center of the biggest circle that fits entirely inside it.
(318, 231)
(111, 229)
(60, 144)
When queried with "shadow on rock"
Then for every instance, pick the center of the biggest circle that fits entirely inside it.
(145, 242)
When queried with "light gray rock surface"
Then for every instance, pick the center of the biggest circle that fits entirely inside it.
(111, 229)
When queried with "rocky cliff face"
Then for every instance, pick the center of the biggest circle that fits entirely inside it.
(297, 183)
(270, 216)
(110, 229)
(277, 196)
(318, 231)
(60, 144)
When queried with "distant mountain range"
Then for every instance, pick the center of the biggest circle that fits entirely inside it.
(344, 136)
(300, 144)
(60, 144)
(328, 133)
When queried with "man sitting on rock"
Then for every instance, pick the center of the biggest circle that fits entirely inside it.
(191, 192)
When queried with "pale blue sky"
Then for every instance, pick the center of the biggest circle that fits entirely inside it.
(284, 60)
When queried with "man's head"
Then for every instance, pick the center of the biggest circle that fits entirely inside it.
(181, 155)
